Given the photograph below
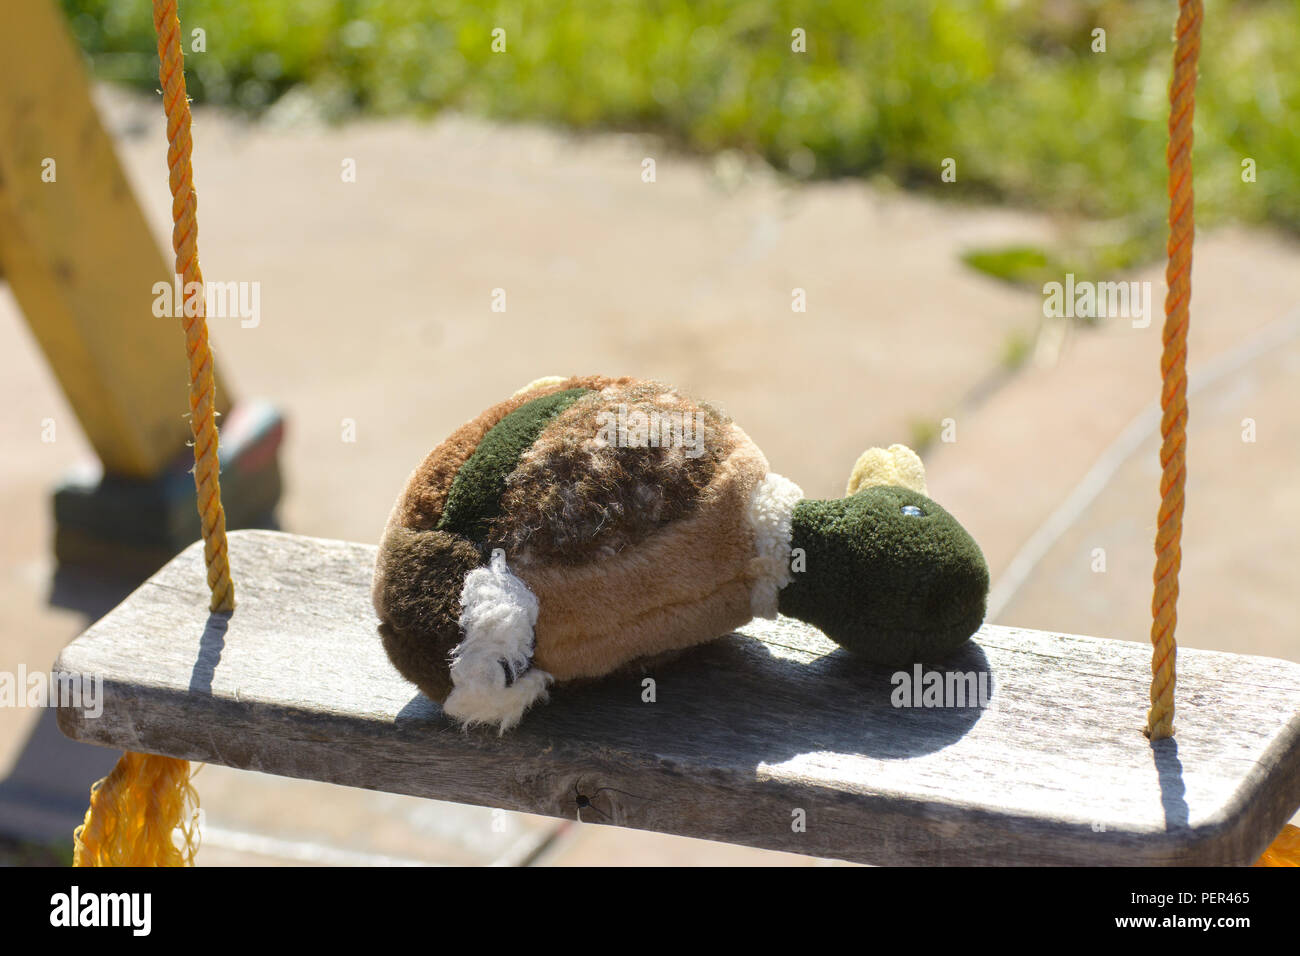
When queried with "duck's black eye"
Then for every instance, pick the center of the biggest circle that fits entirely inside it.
(912, 511)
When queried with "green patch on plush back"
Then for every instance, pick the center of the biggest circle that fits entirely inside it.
(892, 586)
(475, 495)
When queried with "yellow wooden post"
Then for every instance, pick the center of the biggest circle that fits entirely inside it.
(79, 255)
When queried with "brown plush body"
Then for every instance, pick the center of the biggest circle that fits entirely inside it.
(587, 524)
(631, 551)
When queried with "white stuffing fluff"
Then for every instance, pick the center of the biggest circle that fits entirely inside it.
(498, 613)
(770, 511)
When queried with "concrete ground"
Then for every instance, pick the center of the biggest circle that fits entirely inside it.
(376, 310)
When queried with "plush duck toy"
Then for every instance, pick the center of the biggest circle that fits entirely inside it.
(588, 523)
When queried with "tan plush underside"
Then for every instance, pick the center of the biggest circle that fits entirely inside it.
(688, 583)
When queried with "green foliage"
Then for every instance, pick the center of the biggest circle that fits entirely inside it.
(1017, 347)
(1026, 265)
(1011, 90)
(15, 852)
(922, 433)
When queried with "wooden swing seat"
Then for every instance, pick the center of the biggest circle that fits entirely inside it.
(771, 737)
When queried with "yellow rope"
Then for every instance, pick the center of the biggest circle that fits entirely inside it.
(1173, 372)
(185, 235)
(1284, 851)
(138, 808)
(134, 813)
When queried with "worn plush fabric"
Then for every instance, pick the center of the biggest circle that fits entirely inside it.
(890, 585)
(492, 673)
(771, 515)
(419, 572)
(474, 499)
(689, 582)
(419, 576)
(555, 537)
(895, 465)
(576, 496)
(422, 501)
(589, 524)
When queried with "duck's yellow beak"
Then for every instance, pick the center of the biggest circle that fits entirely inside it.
(896, 465)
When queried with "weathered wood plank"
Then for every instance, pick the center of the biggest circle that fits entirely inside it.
(744, 733)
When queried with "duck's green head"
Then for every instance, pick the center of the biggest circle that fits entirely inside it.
(887, 573)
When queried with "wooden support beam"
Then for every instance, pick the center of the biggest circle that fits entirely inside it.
(79, 254)
(746, 736)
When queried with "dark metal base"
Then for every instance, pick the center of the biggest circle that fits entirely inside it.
(135, 526)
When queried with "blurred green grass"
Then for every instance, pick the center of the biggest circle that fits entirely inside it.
(15, 852)
(1011, 90)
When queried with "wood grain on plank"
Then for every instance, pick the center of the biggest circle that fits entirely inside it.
(746, 736)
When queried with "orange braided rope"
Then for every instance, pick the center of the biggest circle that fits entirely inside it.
(1173, 372)
(135, 813)
(185, 241)
(1285, 849)
(138, 808)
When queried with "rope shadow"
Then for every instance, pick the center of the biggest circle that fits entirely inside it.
(1173, 791)
(211, 644)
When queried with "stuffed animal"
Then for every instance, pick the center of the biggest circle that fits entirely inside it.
(585, 524)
